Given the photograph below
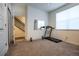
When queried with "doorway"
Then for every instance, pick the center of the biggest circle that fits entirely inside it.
(19, 28)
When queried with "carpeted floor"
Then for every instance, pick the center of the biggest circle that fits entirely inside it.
(43, 48)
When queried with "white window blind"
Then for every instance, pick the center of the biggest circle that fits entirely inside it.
(68, 19)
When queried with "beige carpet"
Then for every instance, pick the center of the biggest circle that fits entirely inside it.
(43, 48)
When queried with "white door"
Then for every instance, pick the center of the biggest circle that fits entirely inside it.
(3, 29)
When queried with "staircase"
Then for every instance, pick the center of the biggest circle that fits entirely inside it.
(20, 25)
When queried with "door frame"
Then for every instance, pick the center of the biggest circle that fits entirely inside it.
(12, 33)
(24, 28)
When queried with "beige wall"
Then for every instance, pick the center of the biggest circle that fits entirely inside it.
(67, 36)
(70, 36)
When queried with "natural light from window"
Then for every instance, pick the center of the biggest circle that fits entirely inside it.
(68, 19)
(41, 23)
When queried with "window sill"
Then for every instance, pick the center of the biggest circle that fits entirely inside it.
(67, 29)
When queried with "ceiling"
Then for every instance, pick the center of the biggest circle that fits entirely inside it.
(43, 6)
(46, 6)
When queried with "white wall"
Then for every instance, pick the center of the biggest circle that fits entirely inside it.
(18, 9)
(32, 14)
(4, 32)
(70, 36)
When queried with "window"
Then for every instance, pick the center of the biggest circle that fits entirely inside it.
(68, 19)
(40, 23)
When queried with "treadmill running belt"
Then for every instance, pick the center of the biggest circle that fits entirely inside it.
(55, 40)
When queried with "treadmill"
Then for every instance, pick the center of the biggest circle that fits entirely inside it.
(47, 34)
